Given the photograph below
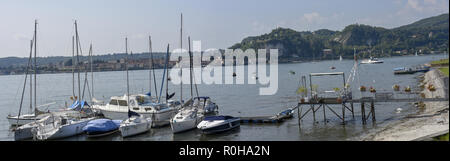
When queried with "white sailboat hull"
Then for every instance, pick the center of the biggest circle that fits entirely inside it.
(49, 132)
(131, 129)
(184, 125)
(159, 118)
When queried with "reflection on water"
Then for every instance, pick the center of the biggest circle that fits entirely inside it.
(234, 100)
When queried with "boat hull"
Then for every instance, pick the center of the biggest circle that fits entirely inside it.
(49, 133)
(158, 119)
(179, 126)
(225, 126)
(23, 133)
(133, 129)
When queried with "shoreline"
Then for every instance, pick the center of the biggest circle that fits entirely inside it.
(431, 120)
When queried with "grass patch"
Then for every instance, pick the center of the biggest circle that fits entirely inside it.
(442, 62)
(444, 70)
(441, 138)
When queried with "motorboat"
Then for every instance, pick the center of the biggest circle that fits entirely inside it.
(205, 105)
(101, 127)
(371, 60)
(186, 119)
(117, 109)
(135, 124)
(288, 113)
(60, 127)
(216, 124)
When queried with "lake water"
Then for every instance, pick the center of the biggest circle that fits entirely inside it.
(234, 100)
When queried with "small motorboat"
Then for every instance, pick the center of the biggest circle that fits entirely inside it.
(216, 124)
(332, 67)
(135, 124)
(101, 127)
(371, 60)
(288, 113)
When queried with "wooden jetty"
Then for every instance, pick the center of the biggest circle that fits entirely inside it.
(346, 102)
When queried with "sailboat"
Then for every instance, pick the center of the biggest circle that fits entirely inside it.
(189, 115)
(143, 104)
(135, 124)
(340, 58)
(68, 122)
(36, 115)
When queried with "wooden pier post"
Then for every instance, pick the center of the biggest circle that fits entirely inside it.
(363, 113)
(324, 117)
(353, 114)
(372, 110)
(299, 114)
(314, 113)
(343, 114)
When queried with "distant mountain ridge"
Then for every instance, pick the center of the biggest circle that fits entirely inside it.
(426, 36)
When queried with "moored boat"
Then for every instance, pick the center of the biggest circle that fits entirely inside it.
(216, 124)
(101, 127)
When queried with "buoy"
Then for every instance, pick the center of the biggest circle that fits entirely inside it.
(396, 87)
(362, 88)
(408, 89)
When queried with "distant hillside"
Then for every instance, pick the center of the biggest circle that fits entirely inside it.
(13, 62)
(426, 36)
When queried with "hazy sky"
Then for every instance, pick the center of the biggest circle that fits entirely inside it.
(218, 24)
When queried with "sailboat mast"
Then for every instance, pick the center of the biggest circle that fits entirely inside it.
(149, 65)
(29, 65)
(153, 67)
(78, 60)
(73, 67)
(167, 78)
(190, 65)
(35, 65)
(181, 50)
(92, 73)
(31, 77)
(126, 67)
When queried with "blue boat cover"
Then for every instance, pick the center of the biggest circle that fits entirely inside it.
(77, 104)
(218, 117)
(149, 94)
(101, 125)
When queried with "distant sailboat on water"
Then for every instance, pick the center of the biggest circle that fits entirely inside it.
(340, 58)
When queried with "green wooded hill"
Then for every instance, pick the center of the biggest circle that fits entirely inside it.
(425, 36)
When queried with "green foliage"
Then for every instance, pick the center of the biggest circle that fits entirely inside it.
(430, 34)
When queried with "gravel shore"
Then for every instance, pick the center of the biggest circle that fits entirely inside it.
(430, 121)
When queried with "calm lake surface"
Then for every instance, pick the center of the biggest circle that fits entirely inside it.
(234, 100)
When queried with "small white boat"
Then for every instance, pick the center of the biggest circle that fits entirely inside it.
(134, 125)
(371, 60)
(186, 119)
(60, 127)
(215, 124)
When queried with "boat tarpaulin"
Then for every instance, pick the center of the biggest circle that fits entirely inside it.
(101, 125)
